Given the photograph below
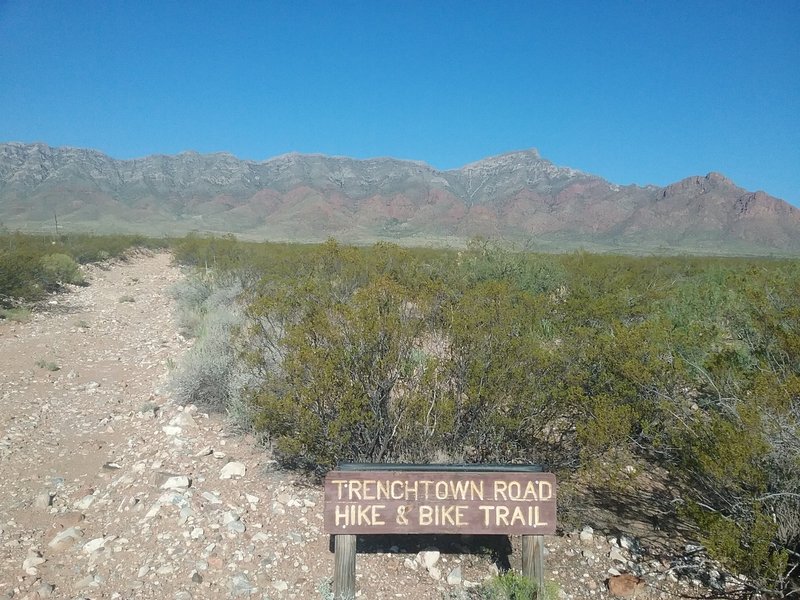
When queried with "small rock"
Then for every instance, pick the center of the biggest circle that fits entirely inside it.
(94, 545)
(252, 499)
(435, 573)
(616, 555)
(85, 502)
(587, 534)
(33, 560)
(45, 590)
(178, 482)
(233, 522)
(231, 470)
(280, 585)
(627, 542)
(183, 420)
(454, 576)
(625, 586)
(43, 501)
(428, 558)
(236, 527)
(240, 585)
(211, 498)
(88, 581)
(65, 539)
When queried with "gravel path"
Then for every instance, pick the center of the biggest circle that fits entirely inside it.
(109, 490)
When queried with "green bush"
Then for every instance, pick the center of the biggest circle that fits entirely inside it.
(512, 586)
(31, 265)
(60, 269)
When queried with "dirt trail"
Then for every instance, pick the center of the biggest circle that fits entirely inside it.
(109, 490)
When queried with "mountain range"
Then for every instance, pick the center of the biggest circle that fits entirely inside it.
(519, 196)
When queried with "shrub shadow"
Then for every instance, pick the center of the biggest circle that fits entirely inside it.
(498, 547)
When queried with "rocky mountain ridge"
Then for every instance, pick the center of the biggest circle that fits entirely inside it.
(518, 196)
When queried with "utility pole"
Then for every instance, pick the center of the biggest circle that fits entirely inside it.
(55, 216)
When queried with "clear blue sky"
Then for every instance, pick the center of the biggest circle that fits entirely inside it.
(636, 92)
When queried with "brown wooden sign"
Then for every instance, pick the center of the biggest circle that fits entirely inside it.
(375, 502)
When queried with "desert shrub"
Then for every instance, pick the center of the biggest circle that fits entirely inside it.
(534, 273)
(19, 276)
(18, 315)
(48, 365)
(745, 546)
(512, 586)
(191, 294)
(202, 377)
(345, 384)
(211, 375)
(59, 269)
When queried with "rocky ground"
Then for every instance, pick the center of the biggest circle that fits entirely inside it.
(109, 490)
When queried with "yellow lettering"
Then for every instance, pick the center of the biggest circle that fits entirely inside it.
(340, 516)
(459, 489)
(366, 485)
(476, 491)
(486, 510)
(517, 515)
(409, 490)
(355, 490)
(536, 521)
(500, 489)
(376, 515)
(340, 483)
(425, 515)
(460, 522)
(545, 490)
(447, 515)
(383, 490)
(530, 492)
(514, 490)
(397, 495)
(364, 515)
(441, 490)
(501, 515)
(426, 483)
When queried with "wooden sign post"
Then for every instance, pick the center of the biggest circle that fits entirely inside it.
(430, 499)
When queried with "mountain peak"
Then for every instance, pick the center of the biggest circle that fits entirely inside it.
(506, 158)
